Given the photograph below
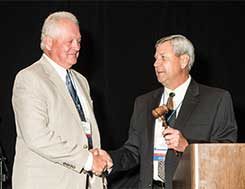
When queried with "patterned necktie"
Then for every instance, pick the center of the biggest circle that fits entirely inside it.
(170, 118)
(170, 103)
(78, 105)
(74, 96)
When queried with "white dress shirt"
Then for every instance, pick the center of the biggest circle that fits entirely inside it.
(160, 147)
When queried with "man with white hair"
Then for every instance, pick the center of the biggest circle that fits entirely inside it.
(55, 124)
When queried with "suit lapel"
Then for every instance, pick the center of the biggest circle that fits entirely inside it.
(53, 76)
(190, 101)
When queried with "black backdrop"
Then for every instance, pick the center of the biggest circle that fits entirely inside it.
(117, 55)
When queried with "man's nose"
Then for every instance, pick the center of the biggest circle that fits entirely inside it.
(76, 45)
(157, 62)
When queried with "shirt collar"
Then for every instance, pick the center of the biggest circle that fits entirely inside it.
(179, 92)
(180, 89)
(59, 69)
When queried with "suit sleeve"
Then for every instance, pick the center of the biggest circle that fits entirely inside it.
(32, 120)
(224, 126)
(128, 155)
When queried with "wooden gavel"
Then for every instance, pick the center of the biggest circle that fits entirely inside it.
(159, 113)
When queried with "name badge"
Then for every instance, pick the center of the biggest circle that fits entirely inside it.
(86, 127)
(159, 154)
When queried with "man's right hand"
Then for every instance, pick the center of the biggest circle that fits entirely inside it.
(101, 161)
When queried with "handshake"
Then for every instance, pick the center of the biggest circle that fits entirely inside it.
(101, 161)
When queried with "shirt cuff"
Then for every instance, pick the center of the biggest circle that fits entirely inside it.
(89, 163)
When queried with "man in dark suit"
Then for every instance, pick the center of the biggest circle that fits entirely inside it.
(203, 114)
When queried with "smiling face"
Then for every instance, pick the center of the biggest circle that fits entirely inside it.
(171, 70)
(64, 47)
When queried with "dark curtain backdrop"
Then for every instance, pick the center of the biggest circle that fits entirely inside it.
(117, 56)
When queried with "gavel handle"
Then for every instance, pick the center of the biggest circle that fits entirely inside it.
(177, 153)
(164, 124)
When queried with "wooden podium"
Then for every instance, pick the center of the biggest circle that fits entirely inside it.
(211, 166)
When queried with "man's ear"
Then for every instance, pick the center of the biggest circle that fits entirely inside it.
(48, 41)
(184, 60)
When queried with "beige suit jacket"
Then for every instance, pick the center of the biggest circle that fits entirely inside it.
(51, 146)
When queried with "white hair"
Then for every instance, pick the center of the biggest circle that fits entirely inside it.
(181, 45)
(51, 27)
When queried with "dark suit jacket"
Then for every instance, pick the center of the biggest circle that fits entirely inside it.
(206, 115)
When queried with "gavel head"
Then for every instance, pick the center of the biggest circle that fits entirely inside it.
(160, 111)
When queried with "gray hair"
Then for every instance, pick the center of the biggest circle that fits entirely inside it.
(181, 45)
(50, 26)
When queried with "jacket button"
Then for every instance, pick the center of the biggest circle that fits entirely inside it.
(85, 146)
